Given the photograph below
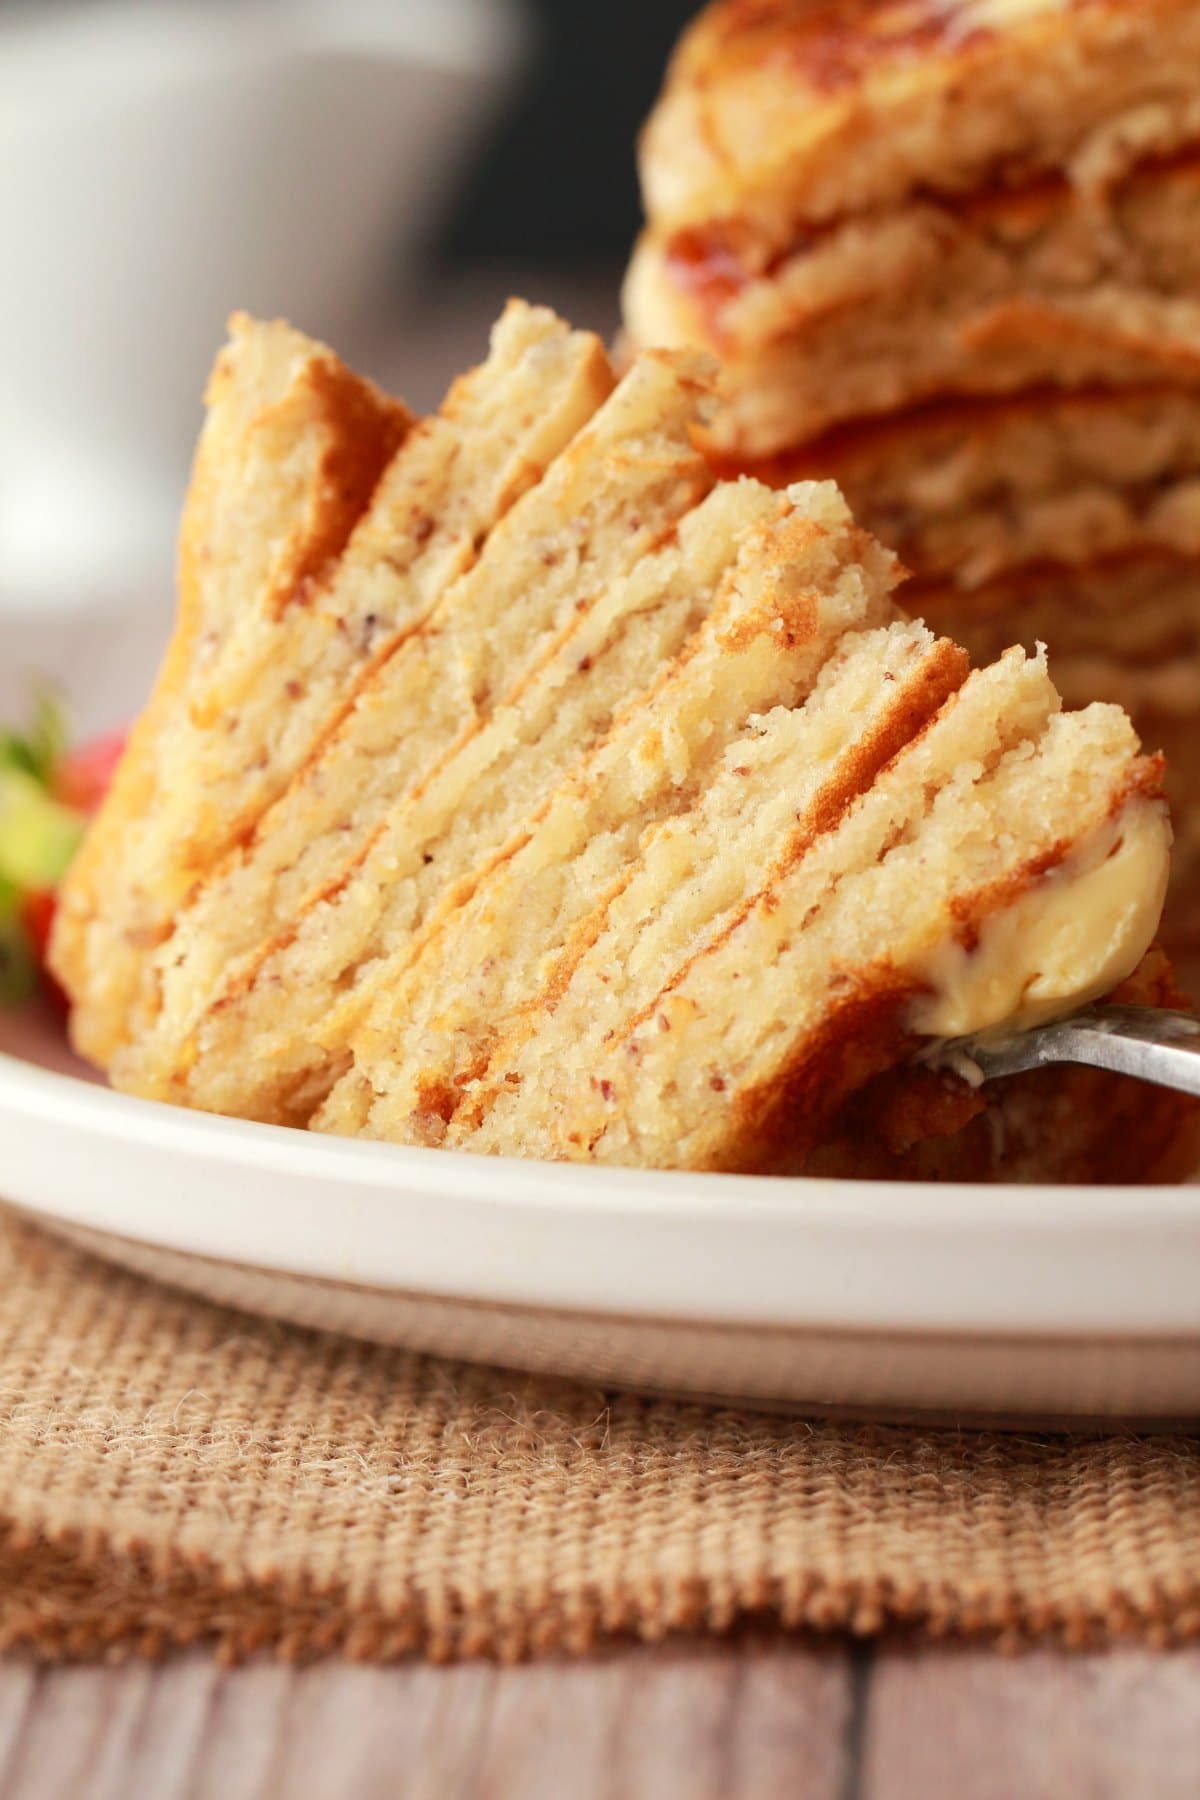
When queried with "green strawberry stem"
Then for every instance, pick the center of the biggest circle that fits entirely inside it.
(18, 965)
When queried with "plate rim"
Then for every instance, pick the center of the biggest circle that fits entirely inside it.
(160, 1120)
(786, 1251)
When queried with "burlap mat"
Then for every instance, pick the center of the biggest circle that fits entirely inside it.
(172, 1472)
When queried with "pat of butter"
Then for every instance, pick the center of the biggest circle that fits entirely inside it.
(1072, 936)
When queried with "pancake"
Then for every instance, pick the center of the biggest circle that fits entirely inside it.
(277, 933)
(656, 834)
(803, 584)
(906, 201)
(955, 339)
(1067, 519)
(788, 112)
(949, 255)
(720, 284)
(263, 697)
(291, 450)
(913, 913)
(967, 490)
(913, 473)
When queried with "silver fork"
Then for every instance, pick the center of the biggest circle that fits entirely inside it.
(1146, 1041)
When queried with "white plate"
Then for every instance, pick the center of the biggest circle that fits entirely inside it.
(895, 1296)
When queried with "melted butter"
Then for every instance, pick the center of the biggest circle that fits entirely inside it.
(1078, 932)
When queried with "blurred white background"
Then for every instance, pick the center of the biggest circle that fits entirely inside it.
(382, 172)
(161, 164)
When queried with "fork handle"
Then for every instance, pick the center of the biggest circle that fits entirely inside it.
(1148, 1042)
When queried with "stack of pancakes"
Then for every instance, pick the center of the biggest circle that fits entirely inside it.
(514, 783)
(949, 254)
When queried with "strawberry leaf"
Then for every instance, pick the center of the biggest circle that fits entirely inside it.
(18, 966)
(37, 751)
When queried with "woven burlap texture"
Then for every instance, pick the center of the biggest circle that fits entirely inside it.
(172, 1472)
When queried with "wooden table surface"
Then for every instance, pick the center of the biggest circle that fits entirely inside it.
(760, 1716)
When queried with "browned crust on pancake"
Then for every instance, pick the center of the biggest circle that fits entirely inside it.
(714, 262)
(1007, 589)
(802, 109)
(1077, 1125)
(363, 430)
(934, 420)
(364, 433)
(865, 1033)
(1026, 322)
(782, 1120)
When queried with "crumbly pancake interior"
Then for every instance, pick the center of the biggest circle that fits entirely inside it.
(802, 581)
(318, 872)
(730, 1058)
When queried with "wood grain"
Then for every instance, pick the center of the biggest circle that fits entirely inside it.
(752, 1719)
(1040, 1726)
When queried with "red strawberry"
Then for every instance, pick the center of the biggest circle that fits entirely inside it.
(37, 918)
(46, 795)
(83, 776)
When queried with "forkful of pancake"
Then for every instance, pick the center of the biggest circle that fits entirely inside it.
(559, 775)
(514, 784)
